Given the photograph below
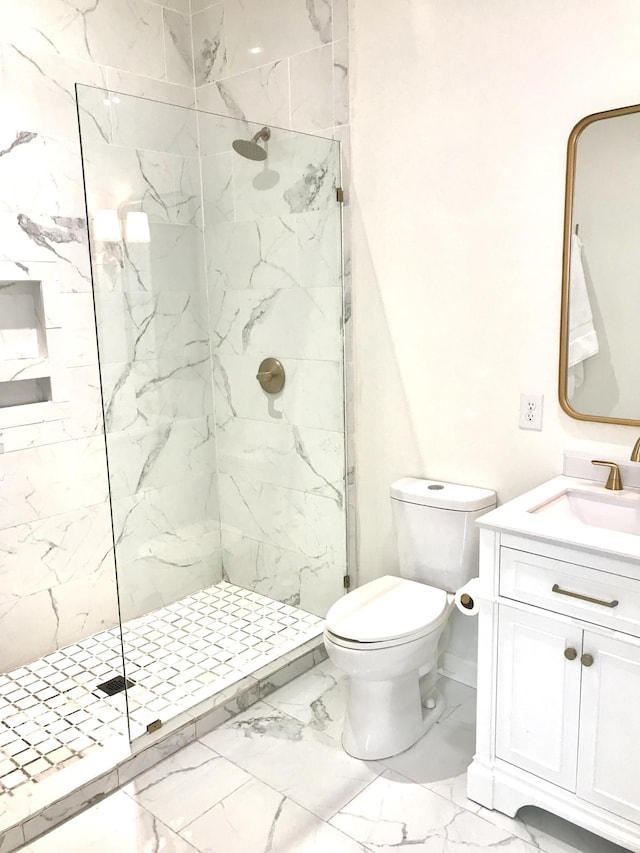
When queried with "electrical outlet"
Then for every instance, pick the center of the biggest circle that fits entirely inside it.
(531, 411)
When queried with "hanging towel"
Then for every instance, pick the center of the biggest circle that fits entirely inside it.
(583, 338)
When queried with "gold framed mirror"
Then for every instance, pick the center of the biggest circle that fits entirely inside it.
(599, 376)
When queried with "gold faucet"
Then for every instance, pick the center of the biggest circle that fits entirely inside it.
(614, 482)
(635, 453)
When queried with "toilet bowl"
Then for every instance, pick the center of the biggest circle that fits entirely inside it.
(384, 635)
(385, 659)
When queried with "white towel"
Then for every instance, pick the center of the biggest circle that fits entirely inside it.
(583, 338)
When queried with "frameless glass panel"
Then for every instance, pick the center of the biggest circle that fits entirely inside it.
(228, 501)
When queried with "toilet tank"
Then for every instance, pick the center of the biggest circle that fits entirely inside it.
(436, 533)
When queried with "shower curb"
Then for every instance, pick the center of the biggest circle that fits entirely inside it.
(150, 749)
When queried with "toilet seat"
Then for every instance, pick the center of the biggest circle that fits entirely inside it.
(386, 612)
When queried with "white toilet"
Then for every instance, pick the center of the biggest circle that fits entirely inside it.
(384, 635)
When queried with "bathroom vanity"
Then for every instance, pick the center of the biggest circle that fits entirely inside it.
(559, 656)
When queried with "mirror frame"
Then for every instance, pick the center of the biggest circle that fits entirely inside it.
(572, 147)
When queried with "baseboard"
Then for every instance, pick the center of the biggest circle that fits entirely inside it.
(459, 669)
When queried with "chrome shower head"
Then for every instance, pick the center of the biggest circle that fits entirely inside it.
(250, 148)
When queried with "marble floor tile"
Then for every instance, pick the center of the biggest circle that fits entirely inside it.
(305, 765)
(116, 825)
(318, 699)
(182, 787)
(445, 751)
(276, 824)
(393, 813)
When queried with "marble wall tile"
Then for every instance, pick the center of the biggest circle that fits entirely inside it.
(151, 457)
(261, 254)
(27, 163)
(310, 460)
(79, 331)
(217, 188)
(319, 247)
(165, 186)
(153, 126)
(238, 394)
(306, 524)
(31, 239)
(311, 85)
(176, 5)
(145, 87)
(38, 89)
(284, 575)
(274, 28)
(210, 51)
(299, 323)
(178, 47)
(50, 480)
(341, 81)
(156, 392)
(178, 510)
(59, 614)
(105, 34)
(340, 16)
(50, 552)
(260, 95)
(307, 170)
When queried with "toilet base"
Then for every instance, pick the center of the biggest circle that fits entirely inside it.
(384, 718)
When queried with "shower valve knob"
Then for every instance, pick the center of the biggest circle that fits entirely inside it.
(270, 375)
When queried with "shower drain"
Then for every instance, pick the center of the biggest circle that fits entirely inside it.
(115, 685)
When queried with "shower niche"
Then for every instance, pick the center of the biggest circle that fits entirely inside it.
(30, 372)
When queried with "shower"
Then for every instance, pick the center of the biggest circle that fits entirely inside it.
(250, 149)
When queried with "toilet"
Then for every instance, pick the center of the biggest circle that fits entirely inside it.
(384, 635)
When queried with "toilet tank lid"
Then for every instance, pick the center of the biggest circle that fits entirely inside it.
(437, 493)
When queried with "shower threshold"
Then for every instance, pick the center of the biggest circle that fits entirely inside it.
(179, 658)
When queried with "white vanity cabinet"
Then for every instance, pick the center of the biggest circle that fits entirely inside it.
(559, 684)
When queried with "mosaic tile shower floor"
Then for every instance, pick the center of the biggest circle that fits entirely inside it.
(51, 713)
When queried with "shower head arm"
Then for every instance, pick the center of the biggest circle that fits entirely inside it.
(263, 134)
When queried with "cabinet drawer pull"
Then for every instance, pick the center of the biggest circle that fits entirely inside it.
(556, 588)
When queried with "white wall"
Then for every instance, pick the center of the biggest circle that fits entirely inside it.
(460, 114)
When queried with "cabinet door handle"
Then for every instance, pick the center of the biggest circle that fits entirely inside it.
(586, 660)
(570, 654)
(556, 588)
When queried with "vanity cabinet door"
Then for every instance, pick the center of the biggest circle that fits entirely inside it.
(538, 696)
(609, 758)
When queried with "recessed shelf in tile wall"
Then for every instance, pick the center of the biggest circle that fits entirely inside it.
(25, 392)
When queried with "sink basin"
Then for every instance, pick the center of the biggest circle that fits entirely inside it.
(618, 511)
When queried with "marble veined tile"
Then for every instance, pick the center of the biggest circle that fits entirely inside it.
(341, 82)
(52, 551)
(444, 752)
(210, 55)
(274, 747)
(300, 403)
(281, 28)
(310, 525)
(294, 457)
(38, 89)
(116, 825)
(255, 254)
(303, 324)
(105, 33)
(311, 86)
(276, 824)
(318, 698)
(392, 814)
(185, 785)
(178, 47)
(260, 95)
(40, 174)
(146, 124)
(217, 190)
(146, 87)
(52, 479)
(284, 575)
(29, 239)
